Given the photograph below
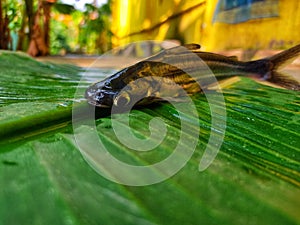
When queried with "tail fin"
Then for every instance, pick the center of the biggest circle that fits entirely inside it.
(279, 61)
(285, 57)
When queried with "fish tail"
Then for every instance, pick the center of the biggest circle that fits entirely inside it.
(283, 58)
(279, 61)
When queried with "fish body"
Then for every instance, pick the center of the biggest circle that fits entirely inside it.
(181, 69)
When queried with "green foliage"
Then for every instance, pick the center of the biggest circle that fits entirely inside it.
(13, 9)
(64, 8)
(60, 38)
(89, 31)
(95, 23)
(255, 178)
(11, 22)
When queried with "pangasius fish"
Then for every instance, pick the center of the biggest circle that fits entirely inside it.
(174, 66)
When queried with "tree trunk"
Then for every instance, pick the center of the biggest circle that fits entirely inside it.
(39, 39)
(4, 30)
(1, 25)
(21, 32)
(30, 15)
(47, 16)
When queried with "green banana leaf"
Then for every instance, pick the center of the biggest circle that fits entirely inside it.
(44, 178)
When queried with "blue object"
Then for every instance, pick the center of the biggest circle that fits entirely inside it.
(237, 11)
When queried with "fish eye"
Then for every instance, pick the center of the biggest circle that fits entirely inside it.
(107, 85)
(122, 100)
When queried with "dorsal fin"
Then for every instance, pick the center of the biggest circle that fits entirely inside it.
(192, 46)
(172, 52)
(233, 57)
(182, 48)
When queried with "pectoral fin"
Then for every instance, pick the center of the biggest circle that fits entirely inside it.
(151, 99)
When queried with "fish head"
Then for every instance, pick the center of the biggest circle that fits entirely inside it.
(101, 94)
(141, 84)
(120, 89)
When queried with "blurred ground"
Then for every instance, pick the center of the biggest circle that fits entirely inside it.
(124, 61)
(91, 61)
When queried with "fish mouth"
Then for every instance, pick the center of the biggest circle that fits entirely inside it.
(100, 97)
(105, 102)
(99, 105)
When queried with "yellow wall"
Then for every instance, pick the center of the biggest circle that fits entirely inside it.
(135, 20)
(136, 16)
(279, 32)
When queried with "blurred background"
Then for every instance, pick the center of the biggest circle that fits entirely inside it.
(60, 27)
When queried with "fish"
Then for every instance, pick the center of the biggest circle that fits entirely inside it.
(174, 72)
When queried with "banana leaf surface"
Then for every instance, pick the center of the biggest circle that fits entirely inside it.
(44, 179)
